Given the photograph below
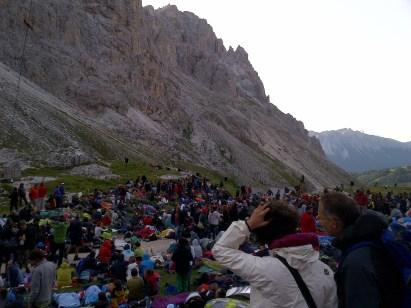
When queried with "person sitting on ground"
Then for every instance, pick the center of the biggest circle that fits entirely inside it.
(272, 284)
(105, 252)
(135, 287)
(366, 277)
(132, 264)
(118, 295)
(89, 263)
(395, 212)
(196, 251)
(65, 275)
(14, 274)
(151, 280)
(119, 268)
(146, 263)
(127, 253)
(139, 251)
(102, 301)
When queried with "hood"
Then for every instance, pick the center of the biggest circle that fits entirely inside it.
(298, 256)
(298, 249)
(296, 239)
(368, 227)
(146, 257)
(64, 265)
(195, 242)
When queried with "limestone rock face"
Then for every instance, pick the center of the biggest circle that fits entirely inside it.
(95, 171)
(157, 83)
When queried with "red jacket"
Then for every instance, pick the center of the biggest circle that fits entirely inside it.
(42, 191)
(106, 220)
(361, 199)
(34, 193)
(105, 252)
(307, 223)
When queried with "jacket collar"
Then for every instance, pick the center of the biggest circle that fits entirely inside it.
(296, 239)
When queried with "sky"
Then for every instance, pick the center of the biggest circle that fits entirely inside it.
(330, 63)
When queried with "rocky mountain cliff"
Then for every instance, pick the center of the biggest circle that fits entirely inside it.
(104, 78)
(356, 152)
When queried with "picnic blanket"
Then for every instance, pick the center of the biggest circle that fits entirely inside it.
(163, 301)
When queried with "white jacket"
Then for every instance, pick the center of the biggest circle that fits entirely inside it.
(272, 285)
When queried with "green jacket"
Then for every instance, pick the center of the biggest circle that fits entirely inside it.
(60, 232)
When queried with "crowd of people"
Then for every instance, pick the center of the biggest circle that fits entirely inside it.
(268, 241)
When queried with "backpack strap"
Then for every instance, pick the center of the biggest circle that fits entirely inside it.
(300, 282)
(355, 247)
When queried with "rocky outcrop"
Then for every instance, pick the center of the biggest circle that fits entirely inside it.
(157, 83)
(95, 171)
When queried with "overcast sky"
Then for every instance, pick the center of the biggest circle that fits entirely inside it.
(330, 63)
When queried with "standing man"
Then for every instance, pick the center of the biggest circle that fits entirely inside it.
(34, 196)
(366, 276)
(22, 195)
(59, 239)
(14, 199)
(58, 197)
(75, 233)
(42, 280)
(214, 221)
(42, 196)
(183, 260)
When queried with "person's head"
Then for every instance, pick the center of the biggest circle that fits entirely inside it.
(14, 227)
(134, 272)
(220, 293)
(23, 225)
(132, 259)
(117, 285)
(336, 212)
(102, 297)
(309, 209)
(148, 273)
(183, 242)
(283, 221)
(36, 256)
(120, 258)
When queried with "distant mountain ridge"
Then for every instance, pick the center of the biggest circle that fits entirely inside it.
(400, 176)
(356, 151)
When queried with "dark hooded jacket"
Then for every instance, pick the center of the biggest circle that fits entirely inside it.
(367, 277)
